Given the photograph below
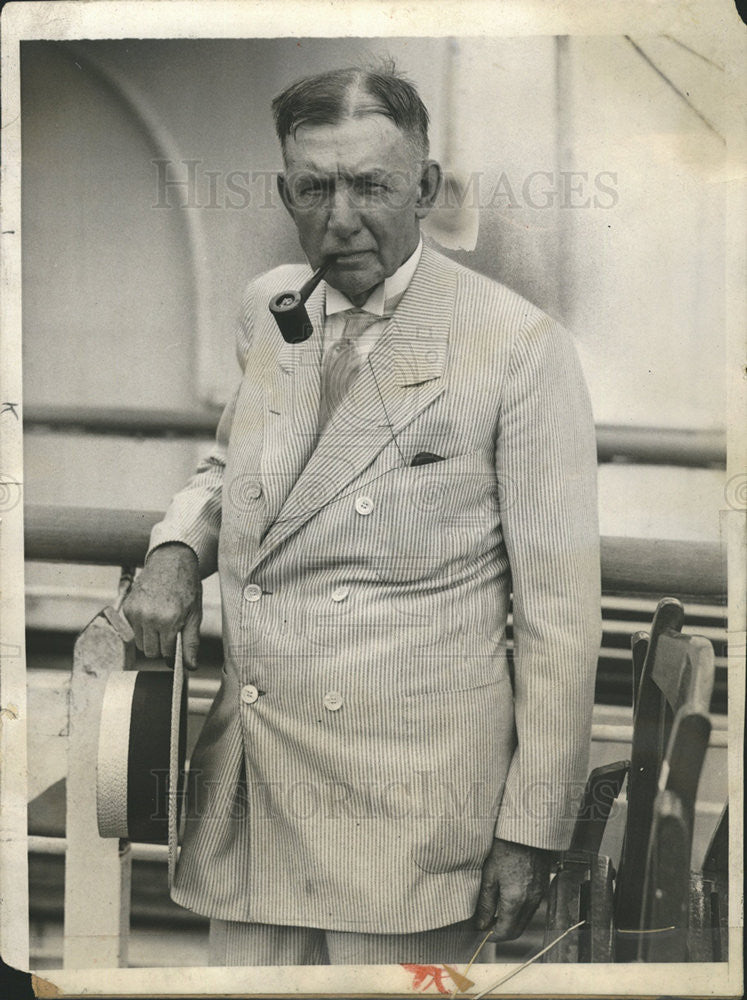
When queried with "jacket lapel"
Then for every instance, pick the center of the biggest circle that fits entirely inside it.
(291, 410)
(403, 375)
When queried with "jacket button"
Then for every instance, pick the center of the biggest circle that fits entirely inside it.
(252, 491)
(252, 592)
(364, 505)
(332, 701)
(249, 694)
(340, 593)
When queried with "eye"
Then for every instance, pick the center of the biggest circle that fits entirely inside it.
(309, 191)
(367, 185)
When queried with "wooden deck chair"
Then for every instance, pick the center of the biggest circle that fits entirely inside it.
(671, 727)
(582, 888)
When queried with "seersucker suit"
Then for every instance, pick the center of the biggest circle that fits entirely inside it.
(370, 738)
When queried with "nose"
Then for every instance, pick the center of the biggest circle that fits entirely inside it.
(343, 219)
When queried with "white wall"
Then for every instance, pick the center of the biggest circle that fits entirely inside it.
(130, 304)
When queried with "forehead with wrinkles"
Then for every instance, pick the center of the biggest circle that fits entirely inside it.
(367, 144)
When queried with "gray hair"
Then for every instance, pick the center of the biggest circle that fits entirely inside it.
(329, 98)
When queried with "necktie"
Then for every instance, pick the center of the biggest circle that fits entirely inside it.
(341, 363)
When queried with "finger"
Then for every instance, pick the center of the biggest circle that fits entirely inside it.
(514, 927)
(151, 642)
(487, 901)
(191, 639)
(120, 623)
(138, 633)
(133, 620)
(509, 914)
(527, 912)
(167, 640)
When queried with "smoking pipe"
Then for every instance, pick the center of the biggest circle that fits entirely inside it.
(289, 308)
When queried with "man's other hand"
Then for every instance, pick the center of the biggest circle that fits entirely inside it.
(166, 599)
(514, 880)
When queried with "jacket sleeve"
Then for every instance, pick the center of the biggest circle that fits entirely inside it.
(194, 514)
(546, 467)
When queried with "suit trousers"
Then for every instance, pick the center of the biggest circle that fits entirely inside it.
(235, 943)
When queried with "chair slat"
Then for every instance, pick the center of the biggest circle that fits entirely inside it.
(668, 896)
(681, 769)
(663, 927)
(600, 910)
(564, 910)
(684, 670)
(646, 755)
(581, 890)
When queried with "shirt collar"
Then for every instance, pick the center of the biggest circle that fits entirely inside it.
(385, 296)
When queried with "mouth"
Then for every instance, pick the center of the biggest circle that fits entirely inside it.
(349, 259)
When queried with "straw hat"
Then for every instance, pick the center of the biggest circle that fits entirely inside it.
(141, 755)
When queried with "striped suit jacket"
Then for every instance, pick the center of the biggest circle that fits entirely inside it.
(369, 738)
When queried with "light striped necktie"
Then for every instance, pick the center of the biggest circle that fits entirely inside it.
(342, 362)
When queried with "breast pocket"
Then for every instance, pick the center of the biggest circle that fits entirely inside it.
(434, 516)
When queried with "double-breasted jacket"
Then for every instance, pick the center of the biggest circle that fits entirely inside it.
(371, 736)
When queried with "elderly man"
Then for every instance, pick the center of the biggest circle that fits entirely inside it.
(375, 782)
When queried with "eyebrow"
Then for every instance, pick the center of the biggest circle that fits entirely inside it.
(375, 173)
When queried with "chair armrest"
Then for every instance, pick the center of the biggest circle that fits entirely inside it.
(602, 788)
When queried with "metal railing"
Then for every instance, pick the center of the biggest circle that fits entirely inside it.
(615, 442)
(102, 536)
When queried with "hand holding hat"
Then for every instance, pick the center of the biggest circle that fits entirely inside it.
(166, 599)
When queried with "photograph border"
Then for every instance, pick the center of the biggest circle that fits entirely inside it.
(64, 20)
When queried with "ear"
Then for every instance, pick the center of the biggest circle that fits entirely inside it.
(430, 183)
(284, 194)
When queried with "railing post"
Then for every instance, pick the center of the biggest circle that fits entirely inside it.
(97, 871)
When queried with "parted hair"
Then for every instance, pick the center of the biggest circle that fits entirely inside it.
(328, 98)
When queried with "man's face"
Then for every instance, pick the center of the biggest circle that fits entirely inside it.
(355, 192)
